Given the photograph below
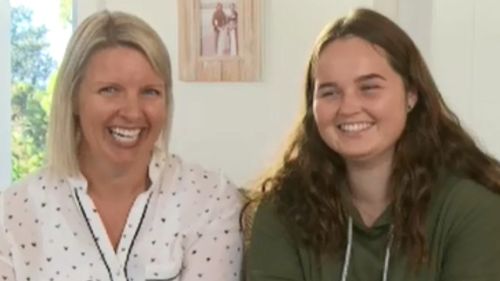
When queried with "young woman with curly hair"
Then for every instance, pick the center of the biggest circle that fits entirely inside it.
(380, 180)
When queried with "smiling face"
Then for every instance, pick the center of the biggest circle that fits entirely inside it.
(360, 103)
(121, 107)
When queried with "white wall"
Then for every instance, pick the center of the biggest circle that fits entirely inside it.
(465, 44)
(240, 127)
(5, 165)
(460, 39)
(416, 18)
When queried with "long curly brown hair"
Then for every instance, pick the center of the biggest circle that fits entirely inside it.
(305, 184)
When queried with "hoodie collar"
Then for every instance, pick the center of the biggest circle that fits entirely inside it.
(382, 222)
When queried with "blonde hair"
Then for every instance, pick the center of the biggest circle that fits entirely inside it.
(101, 30)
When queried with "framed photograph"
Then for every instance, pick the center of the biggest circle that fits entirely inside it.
(219, 40)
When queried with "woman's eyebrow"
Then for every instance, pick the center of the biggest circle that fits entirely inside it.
(369, 77)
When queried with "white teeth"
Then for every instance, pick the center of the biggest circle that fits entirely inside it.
(354, 127)
(125, 135)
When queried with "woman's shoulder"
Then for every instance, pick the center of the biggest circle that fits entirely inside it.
(266, 206)
(463, 229)
(24, 198)
(191, 169)
(263, 213)
(195, 177)
(30, 184)
(461, 196)
(203, 200)
(463, 189)
(203, 188)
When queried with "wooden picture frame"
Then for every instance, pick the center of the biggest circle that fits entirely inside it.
(219, 40)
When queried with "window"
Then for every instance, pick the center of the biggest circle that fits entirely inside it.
(5, 170)
(39, 31)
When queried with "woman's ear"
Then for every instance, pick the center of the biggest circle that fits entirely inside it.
(412, 98)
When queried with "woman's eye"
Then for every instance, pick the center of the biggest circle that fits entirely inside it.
(108, 91)
(327, 92)
(369, 87)
(151, 92)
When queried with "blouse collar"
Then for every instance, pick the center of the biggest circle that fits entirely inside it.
(156, 165)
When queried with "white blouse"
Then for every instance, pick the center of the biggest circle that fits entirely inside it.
(184, 227)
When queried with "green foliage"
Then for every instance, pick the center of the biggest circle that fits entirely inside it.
(31, 62)
(31, 67)
(66, 12)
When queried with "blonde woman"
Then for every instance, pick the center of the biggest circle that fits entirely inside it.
(111, 203)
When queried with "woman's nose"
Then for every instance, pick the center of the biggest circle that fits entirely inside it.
(350, 102)
(130, 107)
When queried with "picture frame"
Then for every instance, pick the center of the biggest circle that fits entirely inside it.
(219, 40)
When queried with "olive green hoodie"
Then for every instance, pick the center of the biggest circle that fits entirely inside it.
(462, 232)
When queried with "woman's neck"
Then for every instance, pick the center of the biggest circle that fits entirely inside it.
(109, 181)
(369, 188)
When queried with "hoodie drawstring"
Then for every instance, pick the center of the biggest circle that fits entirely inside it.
(347, 259)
